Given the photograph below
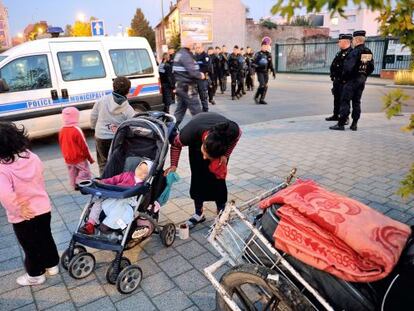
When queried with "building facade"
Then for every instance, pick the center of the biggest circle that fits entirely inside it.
(356, 19)
(5, 40)
(212, 22)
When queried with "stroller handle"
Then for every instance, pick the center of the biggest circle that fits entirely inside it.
(157, 115)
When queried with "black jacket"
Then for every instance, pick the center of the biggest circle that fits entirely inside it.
(166, 75)
(337, 65)
(359, 62)
(234, 64)
(263, 62)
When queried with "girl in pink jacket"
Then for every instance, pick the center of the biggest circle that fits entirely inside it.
(27, 204)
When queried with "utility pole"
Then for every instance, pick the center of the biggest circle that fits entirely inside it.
(162, 21)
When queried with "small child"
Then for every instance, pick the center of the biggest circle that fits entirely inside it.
(74, 147)
(27, 204)
(116, 210)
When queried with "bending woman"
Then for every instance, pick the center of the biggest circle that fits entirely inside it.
(210, 138)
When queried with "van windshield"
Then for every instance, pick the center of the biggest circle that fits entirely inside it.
(131, 62)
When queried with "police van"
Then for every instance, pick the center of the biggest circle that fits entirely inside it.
(40, 78)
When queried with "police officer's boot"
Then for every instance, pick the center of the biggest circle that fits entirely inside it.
(233, 91)
(256, 96)
(332, 118)
(338, 127)
(353, 126)
(262, 101)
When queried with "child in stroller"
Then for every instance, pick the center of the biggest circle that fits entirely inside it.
(114, 207)
(143, 139)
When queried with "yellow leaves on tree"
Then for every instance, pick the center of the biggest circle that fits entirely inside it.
(81, 29)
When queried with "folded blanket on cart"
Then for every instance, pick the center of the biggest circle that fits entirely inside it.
(336, 234)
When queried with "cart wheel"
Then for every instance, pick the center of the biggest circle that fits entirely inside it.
(168, 234)
(81, 265)
(254, 287)
(64, 259)
(110, 275)
(129, 279)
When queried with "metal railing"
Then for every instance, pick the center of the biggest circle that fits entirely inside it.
(316, 57)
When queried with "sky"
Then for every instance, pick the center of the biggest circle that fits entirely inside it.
(112, 12)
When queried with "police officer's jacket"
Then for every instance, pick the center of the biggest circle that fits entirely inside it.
(359, 62)
(203, 61)
(263, 62)
(249, 62)
(337, 65)
(166, 75)
(234, 64)
(223, 61)
(185, 68)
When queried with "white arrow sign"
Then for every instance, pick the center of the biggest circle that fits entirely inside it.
(97, 28)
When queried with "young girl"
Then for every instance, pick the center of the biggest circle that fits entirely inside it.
(74, 148)
(27, 204)
(116, 210)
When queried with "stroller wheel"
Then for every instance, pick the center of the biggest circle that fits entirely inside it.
(65, 260)
(81, 265)
(129, 279)
(110, 275)
(168, 234)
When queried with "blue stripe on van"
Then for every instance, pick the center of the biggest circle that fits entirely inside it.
(78, 98)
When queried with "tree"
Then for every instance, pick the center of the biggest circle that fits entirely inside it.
(38, 28)
(175, 41)
(81, 29)
(396, 19)
(140, 28)
(268, 24)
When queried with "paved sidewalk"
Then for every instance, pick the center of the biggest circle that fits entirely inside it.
(366, 165)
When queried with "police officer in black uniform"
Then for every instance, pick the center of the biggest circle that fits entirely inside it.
(186, 73)
(344, 43)
(263, 63)
(211, 75)
(224, 68)
(358, 65)
(242, 74)
(167, 82)
(171, 53)
(203, 61)
(250, 70)
(234, 69)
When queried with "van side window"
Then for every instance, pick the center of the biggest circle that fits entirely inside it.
(131, 62)
(81, 65)
(27, 73)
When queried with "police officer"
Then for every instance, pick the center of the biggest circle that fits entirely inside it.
(186, 73)
(167, 82)
(203, 61)
(224, 68)
(171, 53)
(250, 70)
(242, 74)
(263, 63)
(344, 44)
(234, 69)
(212, 75)
(358, 65)
(217, 67)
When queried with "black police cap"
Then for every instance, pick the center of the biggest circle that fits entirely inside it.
(359, 33)
(344, 36)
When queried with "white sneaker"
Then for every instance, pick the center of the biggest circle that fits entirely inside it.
(27, 280)
(53, 271)
(194, 220)
(140, 233)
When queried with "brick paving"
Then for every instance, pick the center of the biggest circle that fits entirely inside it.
(366, 165)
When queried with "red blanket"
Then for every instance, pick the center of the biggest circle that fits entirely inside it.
(336, 234)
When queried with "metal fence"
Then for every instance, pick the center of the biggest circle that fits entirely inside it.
(316, 57)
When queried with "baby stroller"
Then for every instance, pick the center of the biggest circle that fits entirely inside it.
(145, 137)
(264, 278)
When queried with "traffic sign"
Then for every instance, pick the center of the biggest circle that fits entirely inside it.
(97, 28)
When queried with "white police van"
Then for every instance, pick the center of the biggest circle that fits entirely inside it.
(40, 78)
